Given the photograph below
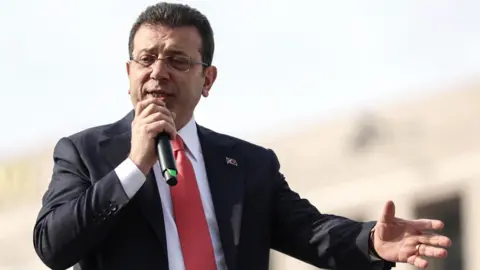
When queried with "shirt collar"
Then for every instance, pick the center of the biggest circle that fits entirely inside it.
(190, 138)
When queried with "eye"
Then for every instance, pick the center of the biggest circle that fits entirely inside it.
(179, 62)
(147, 59)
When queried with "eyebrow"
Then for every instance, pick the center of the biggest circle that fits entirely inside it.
(145, 50)
(169, 51)
(176, 51)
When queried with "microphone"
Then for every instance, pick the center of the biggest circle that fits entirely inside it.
(166, 158)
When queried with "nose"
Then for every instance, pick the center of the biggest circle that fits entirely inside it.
(159, 70)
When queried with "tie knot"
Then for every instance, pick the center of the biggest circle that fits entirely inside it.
(178, 144)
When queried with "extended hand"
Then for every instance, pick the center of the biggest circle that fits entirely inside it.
(408, 241)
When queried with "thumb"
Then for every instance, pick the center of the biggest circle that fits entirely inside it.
(388, 214)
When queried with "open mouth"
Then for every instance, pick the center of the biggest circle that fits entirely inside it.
(160, 95)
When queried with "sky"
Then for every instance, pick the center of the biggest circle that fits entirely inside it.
(280, 63)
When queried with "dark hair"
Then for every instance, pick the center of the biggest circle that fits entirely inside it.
(176, 15)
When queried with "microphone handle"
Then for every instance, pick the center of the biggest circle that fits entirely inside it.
(166, 158)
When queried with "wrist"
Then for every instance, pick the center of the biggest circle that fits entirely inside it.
(140, 165)
(371, 245)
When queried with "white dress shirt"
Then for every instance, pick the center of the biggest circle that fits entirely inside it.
(132, 179)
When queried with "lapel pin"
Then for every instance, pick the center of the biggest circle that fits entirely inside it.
(231, 161)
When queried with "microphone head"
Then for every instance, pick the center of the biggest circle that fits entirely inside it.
(170, 177)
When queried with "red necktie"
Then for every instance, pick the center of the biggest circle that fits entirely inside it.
(189, 216)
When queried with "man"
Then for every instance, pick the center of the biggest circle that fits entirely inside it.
(108, 206)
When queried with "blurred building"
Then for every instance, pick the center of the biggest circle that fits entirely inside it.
(424, 154)
(23, 180)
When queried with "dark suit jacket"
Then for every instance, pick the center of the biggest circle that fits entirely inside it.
(86, 218)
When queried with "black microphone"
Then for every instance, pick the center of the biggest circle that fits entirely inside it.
(166, 158)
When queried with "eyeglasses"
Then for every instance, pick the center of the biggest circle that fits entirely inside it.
(179, 62)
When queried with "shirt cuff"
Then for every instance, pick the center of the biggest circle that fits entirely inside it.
(363, 244)
(130, 176)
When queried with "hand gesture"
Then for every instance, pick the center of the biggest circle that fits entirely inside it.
(151, 118)
(408, 241)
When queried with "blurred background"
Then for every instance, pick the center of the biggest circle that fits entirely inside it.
(361, 102)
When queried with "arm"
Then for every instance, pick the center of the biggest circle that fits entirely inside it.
(326, 241)
(76, 214)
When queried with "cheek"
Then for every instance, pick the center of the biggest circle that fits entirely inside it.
(192, 91)
(140, 78)
(137, 80)
(188, 89)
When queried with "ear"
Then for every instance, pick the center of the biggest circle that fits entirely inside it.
(127, 66)
(210, 77)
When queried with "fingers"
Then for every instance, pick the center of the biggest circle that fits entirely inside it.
(427, 224)
(161, 115)
(388, 214)
(153, 116)
(417, 261)
(429, 251)
(434, 240)
(158, 122)
(425, 251)
(153, 106)
(143, 104)
(160, 126)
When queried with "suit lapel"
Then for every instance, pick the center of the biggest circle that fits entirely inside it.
(225, 177)
(116, 147)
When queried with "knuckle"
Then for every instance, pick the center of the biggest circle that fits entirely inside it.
(150, 108)
(158, 115)
(157, 126)
(162, 123)
(158, 102)
(142, 105)
(139, 106)
(159, 108)
(410, 241)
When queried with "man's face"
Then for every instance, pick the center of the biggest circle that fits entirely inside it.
(167, 79)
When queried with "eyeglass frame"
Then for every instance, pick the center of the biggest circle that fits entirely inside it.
(192, 62)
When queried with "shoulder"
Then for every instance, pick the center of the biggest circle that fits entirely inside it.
(91, 137)
(255, 152)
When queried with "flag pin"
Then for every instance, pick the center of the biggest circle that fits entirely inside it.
(231, 161)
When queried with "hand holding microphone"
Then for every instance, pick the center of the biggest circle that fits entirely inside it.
(152, 128)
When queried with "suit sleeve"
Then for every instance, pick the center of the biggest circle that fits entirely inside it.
(76, 214)
(323, 240)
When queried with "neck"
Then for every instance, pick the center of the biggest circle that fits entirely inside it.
(181, 122)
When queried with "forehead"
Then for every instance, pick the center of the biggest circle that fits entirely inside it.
(159, 38)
